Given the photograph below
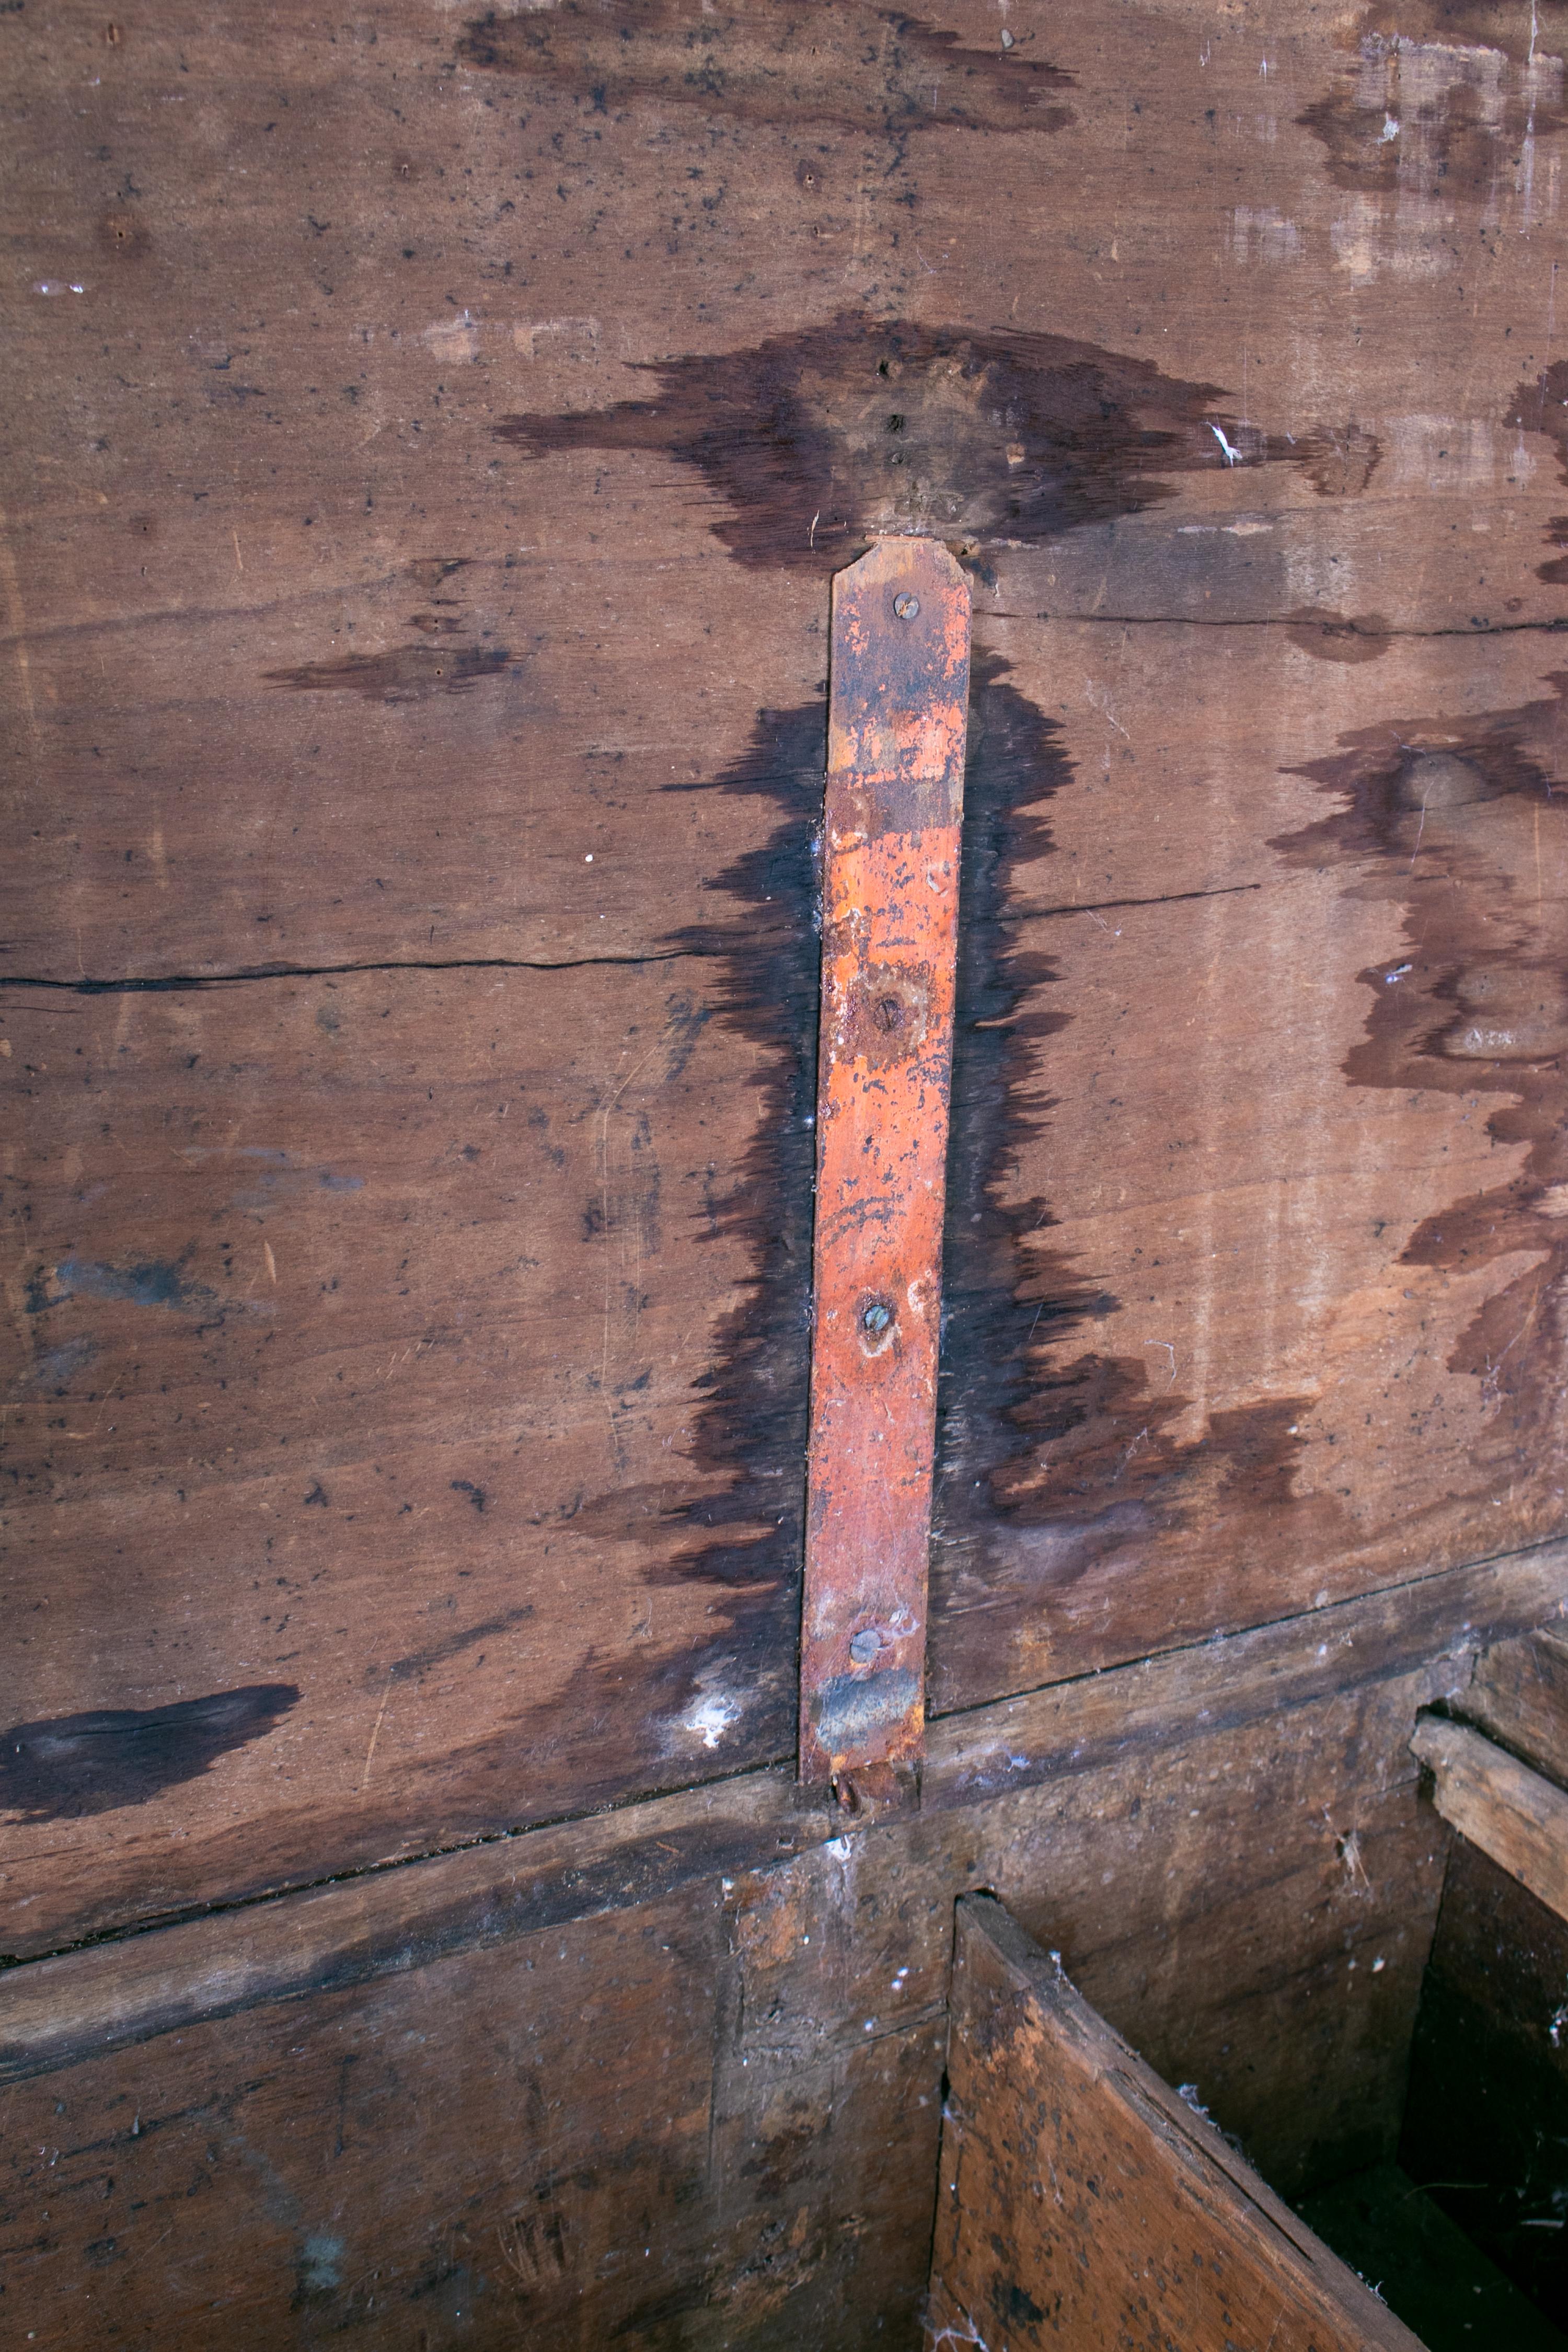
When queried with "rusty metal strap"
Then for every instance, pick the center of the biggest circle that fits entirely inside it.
(900, 692)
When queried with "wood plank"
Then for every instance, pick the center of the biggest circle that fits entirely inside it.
(678, 2021)
(1253, 1906)
(407, 1379)
(272, 533)
(396, 552)
(1513, 1815)
(1260, 1180)
(1080, 2196)
(1411, 1645)
(1520, 1695)
(516, 2142)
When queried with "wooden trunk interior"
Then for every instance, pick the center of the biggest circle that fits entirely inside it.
(430, 436)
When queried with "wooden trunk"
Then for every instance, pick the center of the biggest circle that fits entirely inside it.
(431, 438)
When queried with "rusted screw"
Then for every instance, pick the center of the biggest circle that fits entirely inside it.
(865, 1646)
(906, 606)
(886, 1013)
(876, 1318)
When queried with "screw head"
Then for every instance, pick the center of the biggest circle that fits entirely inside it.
(906, 605)
(876, 1318)
(864, 1647)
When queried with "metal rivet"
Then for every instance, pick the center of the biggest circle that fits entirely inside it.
(876, 1318)
(906, 606)
(888, 1013)
(865, 1646)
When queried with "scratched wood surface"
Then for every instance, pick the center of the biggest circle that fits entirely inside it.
(430, 441)
(617, 2082)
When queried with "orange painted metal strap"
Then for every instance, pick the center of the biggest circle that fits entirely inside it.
(895, 803)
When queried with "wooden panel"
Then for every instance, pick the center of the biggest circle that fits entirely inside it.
(437, 477)
(743, 2045)
(399, 1448)
(536, 2138)
(1409, 1648)
(1253, 1906)
(1081, 2199)
(1251, 1246)
(1520, 1695)
(1515, 1817)
(1486, 2121)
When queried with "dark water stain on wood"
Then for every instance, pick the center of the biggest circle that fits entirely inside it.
(733, 1521)
(1440, 101)
(751, 1423)
(1541, 407)
(1458, 821)
(1048, 1462)
(819, 441)
(852, 65)
(401, 674)
(70, 1766)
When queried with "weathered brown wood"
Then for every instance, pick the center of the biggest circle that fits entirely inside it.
(398, 1447)
(540, 2142)
(1082, 2200)
(459, 506)
(1277, 1246)
(63, 2009)
(1517, 1818)
(1255, 1901)
(1519, 1694)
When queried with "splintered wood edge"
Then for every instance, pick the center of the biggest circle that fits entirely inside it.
(1220, 2178)
(1518, 1819)
(286, 1944)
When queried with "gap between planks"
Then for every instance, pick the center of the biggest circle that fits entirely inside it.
(58, 2008)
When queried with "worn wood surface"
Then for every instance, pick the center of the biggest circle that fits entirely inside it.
(1127, 1723)
(381, 1472)
(1518, 1693)
(488, 2082)
(1486, 2121)
(565, 2140)
(1516, 1818)
(1083, 2200)
(417, 530)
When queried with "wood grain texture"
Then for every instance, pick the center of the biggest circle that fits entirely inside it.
(1520, 1696)
(385, 1469)
(534, 2143)
(682, 2019)
(1082, 2200)
(384, 1921)
(1516, 1818)
(417, 531)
